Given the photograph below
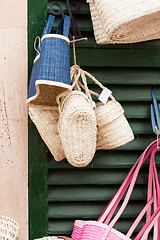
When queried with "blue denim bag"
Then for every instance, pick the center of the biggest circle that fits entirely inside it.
(50, 75)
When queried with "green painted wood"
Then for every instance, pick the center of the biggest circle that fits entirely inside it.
(125, 76)
(89, 193)
(87, 210)
(37, 154)
(118, 57)
(92, 177)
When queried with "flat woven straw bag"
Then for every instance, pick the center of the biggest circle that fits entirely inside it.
(9, 229)
(46, 122)
(50, 75)
(113, 129)
(78, 128)
(125, 21)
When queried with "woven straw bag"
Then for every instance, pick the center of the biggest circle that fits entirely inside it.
(46, 122)
(50, 75)
(113, 129)
(125, 21)
(103, 228)
(9, 229)
(78, 128)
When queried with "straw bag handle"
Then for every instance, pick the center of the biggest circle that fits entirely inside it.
(48, 27)
(114, 200)
(76, 69)
(64, 26)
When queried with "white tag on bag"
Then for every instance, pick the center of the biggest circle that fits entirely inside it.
(93, 105)
(103, 97)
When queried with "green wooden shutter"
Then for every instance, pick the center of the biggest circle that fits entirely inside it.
(60, 193)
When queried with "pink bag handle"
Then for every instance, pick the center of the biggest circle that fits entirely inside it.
(132, 180)
(129, 192)
(147, 207)
(153, 174)
(148, 226)
(109, 210)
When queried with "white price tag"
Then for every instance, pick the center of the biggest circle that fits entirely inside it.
(93, 105)
(103, 97)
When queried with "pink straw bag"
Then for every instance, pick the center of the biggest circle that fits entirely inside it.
(102, 229)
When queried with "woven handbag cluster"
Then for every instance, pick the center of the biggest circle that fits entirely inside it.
(62, 113)
(125, 21)
(103, 228)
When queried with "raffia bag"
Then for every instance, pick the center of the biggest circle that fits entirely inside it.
(78, 130)
(125, 21)
(9, 229)
(113, 129)
(46, 122)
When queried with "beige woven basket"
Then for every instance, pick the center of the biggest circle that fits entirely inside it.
(125, 21)
(78, 129)
(113, 129)
(9, 229)
(46, 122)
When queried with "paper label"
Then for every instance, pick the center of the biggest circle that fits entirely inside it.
(103, 97)
(93, 105)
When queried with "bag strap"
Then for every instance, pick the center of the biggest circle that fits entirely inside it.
(48, 26)
(118, 196)
(117, 199)
(148, 226)
(147, 207)
(64, 26)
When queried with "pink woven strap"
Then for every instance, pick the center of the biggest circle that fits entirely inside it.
(111, 207)
(154, 176)
(131, 178)
(149, 225)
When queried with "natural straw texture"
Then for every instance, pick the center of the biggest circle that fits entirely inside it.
(78, 129)
(46, 122)
(122, 21)
(9, 229)
(113, 129)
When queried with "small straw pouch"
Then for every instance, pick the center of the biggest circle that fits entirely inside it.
(113, 129)
(78, 130)
(102, 229)
(125, 21)
(9, 229)
(46, 122)
(50, 75)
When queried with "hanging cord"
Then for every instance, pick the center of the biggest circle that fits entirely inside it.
(157, 132)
